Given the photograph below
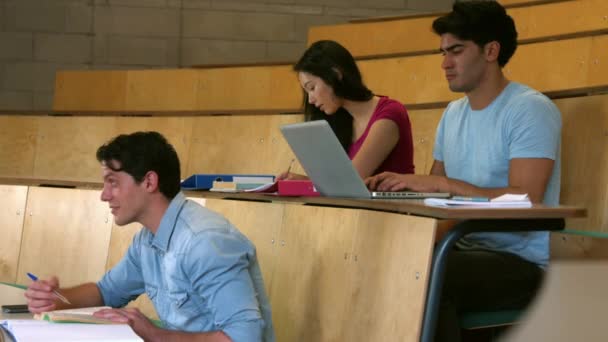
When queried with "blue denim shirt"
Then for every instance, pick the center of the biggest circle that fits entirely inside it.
(200, 272)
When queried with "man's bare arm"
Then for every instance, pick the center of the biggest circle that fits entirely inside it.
(526, 175)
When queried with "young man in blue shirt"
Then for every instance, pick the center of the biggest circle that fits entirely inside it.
(502, 137)
(200, 272)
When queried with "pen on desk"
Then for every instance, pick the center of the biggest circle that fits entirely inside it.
(290, 165)
(57, 294)
(470, 199)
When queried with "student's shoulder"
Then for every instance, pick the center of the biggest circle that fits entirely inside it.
(456, 108)
(388, 108)
(385, 103)
(199, 219)
(523, 95)
(524, 100)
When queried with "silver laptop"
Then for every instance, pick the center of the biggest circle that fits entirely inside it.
(326, 163)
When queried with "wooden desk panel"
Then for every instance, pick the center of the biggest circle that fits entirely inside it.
(389, 277)
(585, 159)
(12, 202)
(18, 141)
(66, 232)
(413, 207)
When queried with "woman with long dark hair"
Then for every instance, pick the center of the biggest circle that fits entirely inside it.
(374, 130)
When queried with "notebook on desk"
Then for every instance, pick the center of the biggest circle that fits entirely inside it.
(326, 163)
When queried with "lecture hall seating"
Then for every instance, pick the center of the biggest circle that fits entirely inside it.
(566, 59)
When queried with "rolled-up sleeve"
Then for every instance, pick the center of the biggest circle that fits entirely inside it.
(219, 269)
(124, 282)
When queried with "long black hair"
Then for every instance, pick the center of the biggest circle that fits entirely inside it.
(333, 63)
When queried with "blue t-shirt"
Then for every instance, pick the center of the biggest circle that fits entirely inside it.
(477, 145)
(200, 272)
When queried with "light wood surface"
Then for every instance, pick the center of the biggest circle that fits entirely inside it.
(415, 35)
(18, 139)
(571, 306)
(12, 202)
(90, 90)
(245, 144)
(66, 147)
(326, 286)
(332, 272)
(414, 207)
(424, 126)
(212, 89)
(310, 284)
(66, 233)
(585, 159)
(388, 278)
(177, 130)
(576, 64)
(572, 246)
(161, 89)
(249, 87)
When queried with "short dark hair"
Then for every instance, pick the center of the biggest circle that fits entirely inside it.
(482, 22)
(141, 152)
(322, 59)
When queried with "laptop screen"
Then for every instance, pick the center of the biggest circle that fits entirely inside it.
(326, 163)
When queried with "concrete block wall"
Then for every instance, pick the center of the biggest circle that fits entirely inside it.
(39, 37)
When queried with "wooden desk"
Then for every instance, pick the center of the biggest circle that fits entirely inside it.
(471, 220)
(334, 269)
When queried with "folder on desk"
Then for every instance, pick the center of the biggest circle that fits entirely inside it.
(289, 188)
(204, 181)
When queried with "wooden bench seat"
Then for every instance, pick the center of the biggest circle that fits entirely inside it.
(414, 36)
(562, 67)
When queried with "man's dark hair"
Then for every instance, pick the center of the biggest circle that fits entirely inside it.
(140, 152)
(482, 22)
(332, 62)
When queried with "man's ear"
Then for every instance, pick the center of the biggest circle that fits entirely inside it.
(492, 50)
(150, 181)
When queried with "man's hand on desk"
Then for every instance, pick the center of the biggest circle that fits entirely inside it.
(390, 181)
(40, 296)
(145, 329)
(138, 321)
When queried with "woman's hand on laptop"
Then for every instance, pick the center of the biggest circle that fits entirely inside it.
(291, 176)
(390, 181)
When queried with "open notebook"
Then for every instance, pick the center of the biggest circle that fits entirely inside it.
(326, 163)
(31, 330)
(81, 315)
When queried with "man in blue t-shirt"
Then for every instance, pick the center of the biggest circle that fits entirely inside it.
(503, 137)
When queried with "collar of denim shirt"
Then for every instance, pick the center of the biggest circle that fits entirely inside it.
(167, 223)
